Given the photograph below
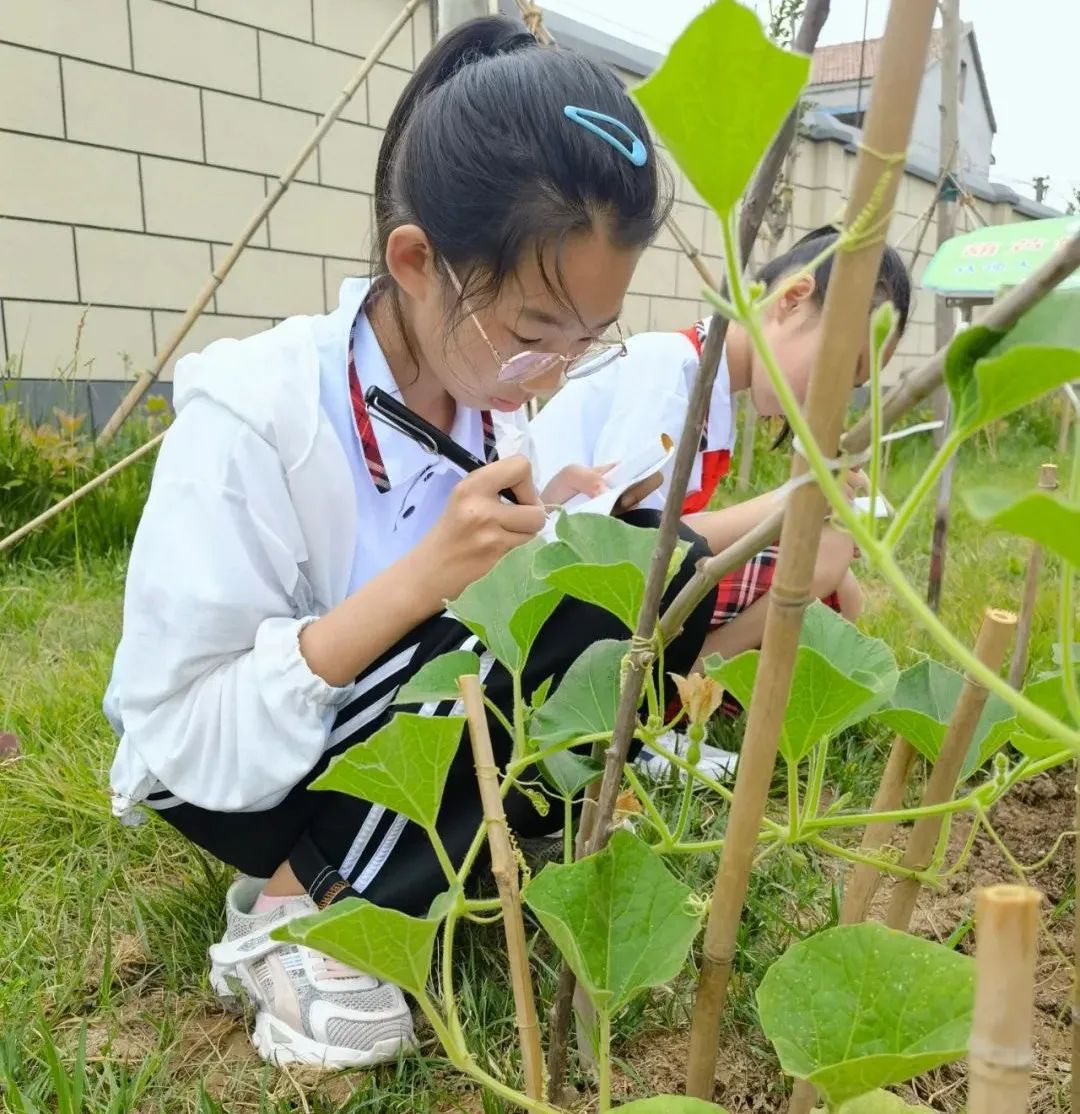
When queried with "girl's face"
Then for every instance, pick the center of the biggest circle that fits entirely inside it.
(525, 316)
(793, 328)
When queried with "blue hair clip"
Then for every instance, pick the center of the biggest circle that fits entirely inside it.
(635, 150)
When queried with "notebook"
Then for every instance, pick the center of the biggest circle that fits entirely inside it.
(620, 479)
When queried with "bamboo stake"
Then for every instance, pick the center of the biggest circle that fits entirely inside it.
(1006, 945)
(691, 252)
(1002, 316)
(847, 308)
(505, 869)
(1018, 667)
(90, 485)
(641, 658)
(864, 879)
(218, 275)
(994, 636)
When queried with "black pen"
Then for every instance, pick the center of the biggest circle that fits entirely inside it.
(396, 414)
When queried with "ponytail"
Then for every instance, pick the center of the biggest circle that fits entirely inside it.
(479, 38)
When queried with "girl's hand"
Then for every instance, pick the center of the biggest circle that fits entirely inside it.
(856, 482)
(478, 526)
(575, 479)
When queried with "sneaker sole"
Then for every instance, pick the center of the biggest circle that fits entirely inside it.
(280, 1044)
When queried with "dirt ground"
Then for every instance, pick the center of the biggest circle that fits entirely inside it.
(1029, 822)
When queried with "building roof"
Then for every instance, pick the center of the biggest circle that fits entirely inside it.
(842, 63)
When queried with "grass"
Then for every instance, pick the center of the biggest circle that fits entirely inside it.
(104, 929)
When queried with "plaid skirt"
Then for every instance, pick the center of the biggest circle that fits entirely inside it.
(738, 590)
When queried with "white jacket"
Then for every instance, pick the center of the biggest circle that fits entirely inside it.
(249, 533)
(612, 415)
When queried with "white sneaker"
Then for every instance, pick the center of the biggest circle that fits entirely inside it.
(714, 762)
(310, 1009)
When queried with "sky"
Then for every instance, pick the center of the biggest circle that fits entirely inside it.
(1026, 63)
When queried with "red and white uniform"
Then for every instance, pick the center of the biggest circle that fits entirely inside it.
(612, 415)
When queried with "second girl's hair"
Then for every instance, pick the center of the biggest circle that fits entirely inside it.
(479, 153)
(893, 283)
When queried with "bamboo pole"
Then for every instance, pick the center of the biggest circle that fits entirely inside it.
(600, 815)
(1006, 945)
(505, 869)
(847, 308)
(218, 275)
(994, 636)
(1001, 316)
(863, 879)
(943, 409)
(1018, 667)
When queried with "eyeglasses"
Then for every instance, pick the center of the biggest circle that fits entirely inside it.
(533, 365)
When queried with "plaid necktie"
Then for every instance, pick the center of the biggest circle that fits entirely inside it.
(366, 432)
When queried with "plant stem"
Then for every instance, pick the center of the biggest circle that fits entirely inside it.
(1067, 612)
(922, 488)
(496, 711)
(901, 67)
(519, 716)
(448, 996)
(877, 863)
(651, 810)
(461, 1058)
(568, 831)
(896, 816)
(815, 781)
(793, 800)
(441, 854)
(684, 810)
(604, 1059)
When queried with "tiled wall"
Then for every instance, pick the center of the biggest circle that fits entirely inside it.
(138, 136)
(136, 139)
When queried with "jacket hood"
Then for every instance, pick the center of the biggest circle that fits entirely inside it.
(270, 381)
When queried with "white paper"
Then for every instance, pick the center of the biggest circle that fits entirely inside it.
(882, 509)
(620, 479)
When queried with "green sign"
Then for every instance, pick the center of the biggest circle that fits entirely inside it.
(980, 263)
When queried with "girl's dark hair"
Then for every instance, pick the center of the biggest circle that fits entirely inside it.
(479, 154)
(893, 283)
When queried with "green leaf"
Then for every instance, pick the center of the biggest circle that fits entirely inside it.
(1001, 384)
(587, 696)
(864, 659)
(540, 693)
(619, 917)
(965, 349)
(383, 942)
(506, 608)
(724, 80)
(1049, 521)
(1031, 740)
(403, 766)
(568, 773)
(437, 679)
(823, 700)
(671, 1104)
(1055, 320)
(881, 1102)
(602, 561)
(922, 704)
(862, 1006)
